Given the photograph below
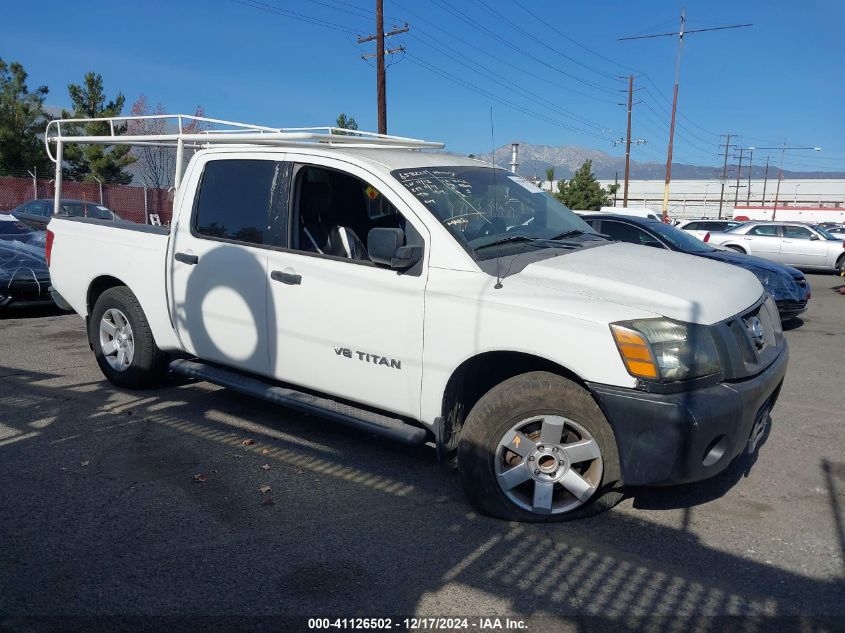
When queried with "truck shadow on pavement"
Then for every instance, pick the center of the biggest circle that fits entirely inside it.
(105, 515)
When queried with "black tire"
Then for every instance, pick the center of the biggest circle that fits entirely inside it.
(520, 398)
(738, 249)
(148, 366)
(840, 266)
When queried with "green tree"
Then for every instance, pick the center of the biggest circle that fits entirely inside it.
(550, 176)
(347, 123)
(582, 191)
(92, 162)
(22, 120)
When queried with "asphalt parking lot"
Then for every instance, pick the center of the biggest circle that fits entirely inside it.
(150, 503)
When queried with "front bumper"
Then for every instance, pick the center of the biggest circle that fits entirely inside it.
(692, 435)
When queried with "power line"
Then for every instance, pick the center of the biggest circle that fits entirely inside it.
(480, 27)
(480, 69)
(270, 8)
(447, 75)
(542, 43)
(680, 34)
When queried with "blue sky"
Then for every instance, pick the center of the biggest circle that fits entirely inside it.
(550, 81)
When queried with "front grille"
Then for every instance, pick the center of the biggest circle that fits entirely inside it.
(749, 342)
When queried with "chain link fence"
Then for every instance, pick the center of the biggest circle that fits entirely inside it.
(132, 203)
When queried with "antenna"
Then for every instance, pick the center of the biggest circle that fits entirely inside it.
(495, 202)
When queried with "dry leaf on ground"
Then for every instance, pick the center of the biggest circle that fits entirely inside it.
(264, 489)
(200, 478)
(248, 442)
(265, 467)
(85, 462)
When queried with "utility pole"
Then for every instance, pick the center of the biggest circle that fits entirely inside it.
(750, 169)
(738, 172)
(381, 79)
(615, 186)
(782, 149)
(724, 173)
(765, 182)
(628, 140)
(680, 35)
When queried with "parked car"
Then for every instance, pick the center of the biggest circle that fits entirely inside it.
(24, 276)
(700, 228)
(11, 228)
(37, 213)
(787, 285)
(791, 243)
(428, 297)
(837, 231)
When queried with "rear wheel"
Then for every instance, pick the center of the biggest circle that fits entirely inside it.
(538, 448)
(123, 343)
(840, 265)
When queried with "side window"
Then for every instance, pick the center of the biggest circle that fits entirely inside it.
(764, 230)
(234, 200)
(796, 233)
(333, 213)
(625, 232)
(693, 226)
(36, 208)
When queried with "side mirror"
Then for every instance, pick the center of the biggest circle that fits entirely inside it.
(813, 236)
(385, 247)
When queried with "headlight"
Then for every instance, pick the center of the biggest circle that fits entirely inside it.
(664, 350)
(773, 281)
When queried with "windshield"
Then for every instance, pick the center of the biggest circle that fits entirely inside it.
(484, 207)
(826, 234)
(680, 239)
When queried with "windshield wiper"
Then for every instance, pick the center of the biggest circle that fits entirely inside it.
(565, 234)
(541, 242)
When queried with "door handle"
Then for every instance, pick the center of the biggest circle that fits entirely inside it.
(186, 259)
(291, 279)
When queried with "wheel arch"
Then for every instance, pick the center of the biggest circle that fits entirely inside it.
(159, 323)
(474, 377)
(97, 287)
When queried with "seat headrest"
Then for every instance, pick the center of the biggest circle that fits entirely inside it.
(315, 198)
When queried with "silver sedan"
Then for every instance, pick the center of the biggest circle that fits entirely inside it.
(791, 243)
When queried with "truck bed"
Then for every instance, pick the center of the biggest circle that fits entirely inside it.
(86, 250)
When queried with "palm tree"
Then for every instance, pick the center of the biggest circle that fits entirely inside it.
(550, 176)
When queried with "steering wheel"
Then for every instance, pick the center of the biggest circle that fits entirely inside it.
(491, 226)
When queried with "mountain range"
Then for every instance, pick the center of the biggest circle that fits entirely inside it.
(566, 159)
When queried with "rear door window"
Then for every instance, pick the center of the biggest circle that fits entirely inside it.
(234, 201)
(764, 230)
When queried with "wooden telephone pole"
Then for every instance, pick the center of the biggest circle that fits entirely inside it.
(682, 31)
(381, 79)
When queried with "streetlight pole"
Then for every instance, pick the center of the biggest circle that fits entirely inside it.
(783, 148)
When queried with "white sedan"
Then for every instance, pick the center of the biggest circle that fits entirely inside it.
(700, 228)
(791, 243)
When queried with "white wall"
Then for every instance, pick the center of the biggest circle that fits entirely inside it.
(687, 197)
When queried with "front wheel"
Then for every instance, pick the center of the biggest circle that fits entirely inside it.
(738, 249)
(538, 448)
(123, 343)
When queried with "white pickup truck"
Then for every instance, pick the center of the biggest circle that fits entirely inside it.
(431, 298)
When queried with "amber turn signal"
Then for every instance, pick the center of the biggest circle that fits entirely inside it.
(635, 351)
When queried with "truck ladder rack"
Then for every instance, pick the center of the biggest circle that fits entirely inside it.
(195, 132)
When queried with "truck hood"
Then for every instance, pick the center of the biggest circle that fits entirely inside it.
(674, 285)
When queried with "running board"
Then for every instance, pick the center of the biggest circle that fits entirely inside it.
(361, 419)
